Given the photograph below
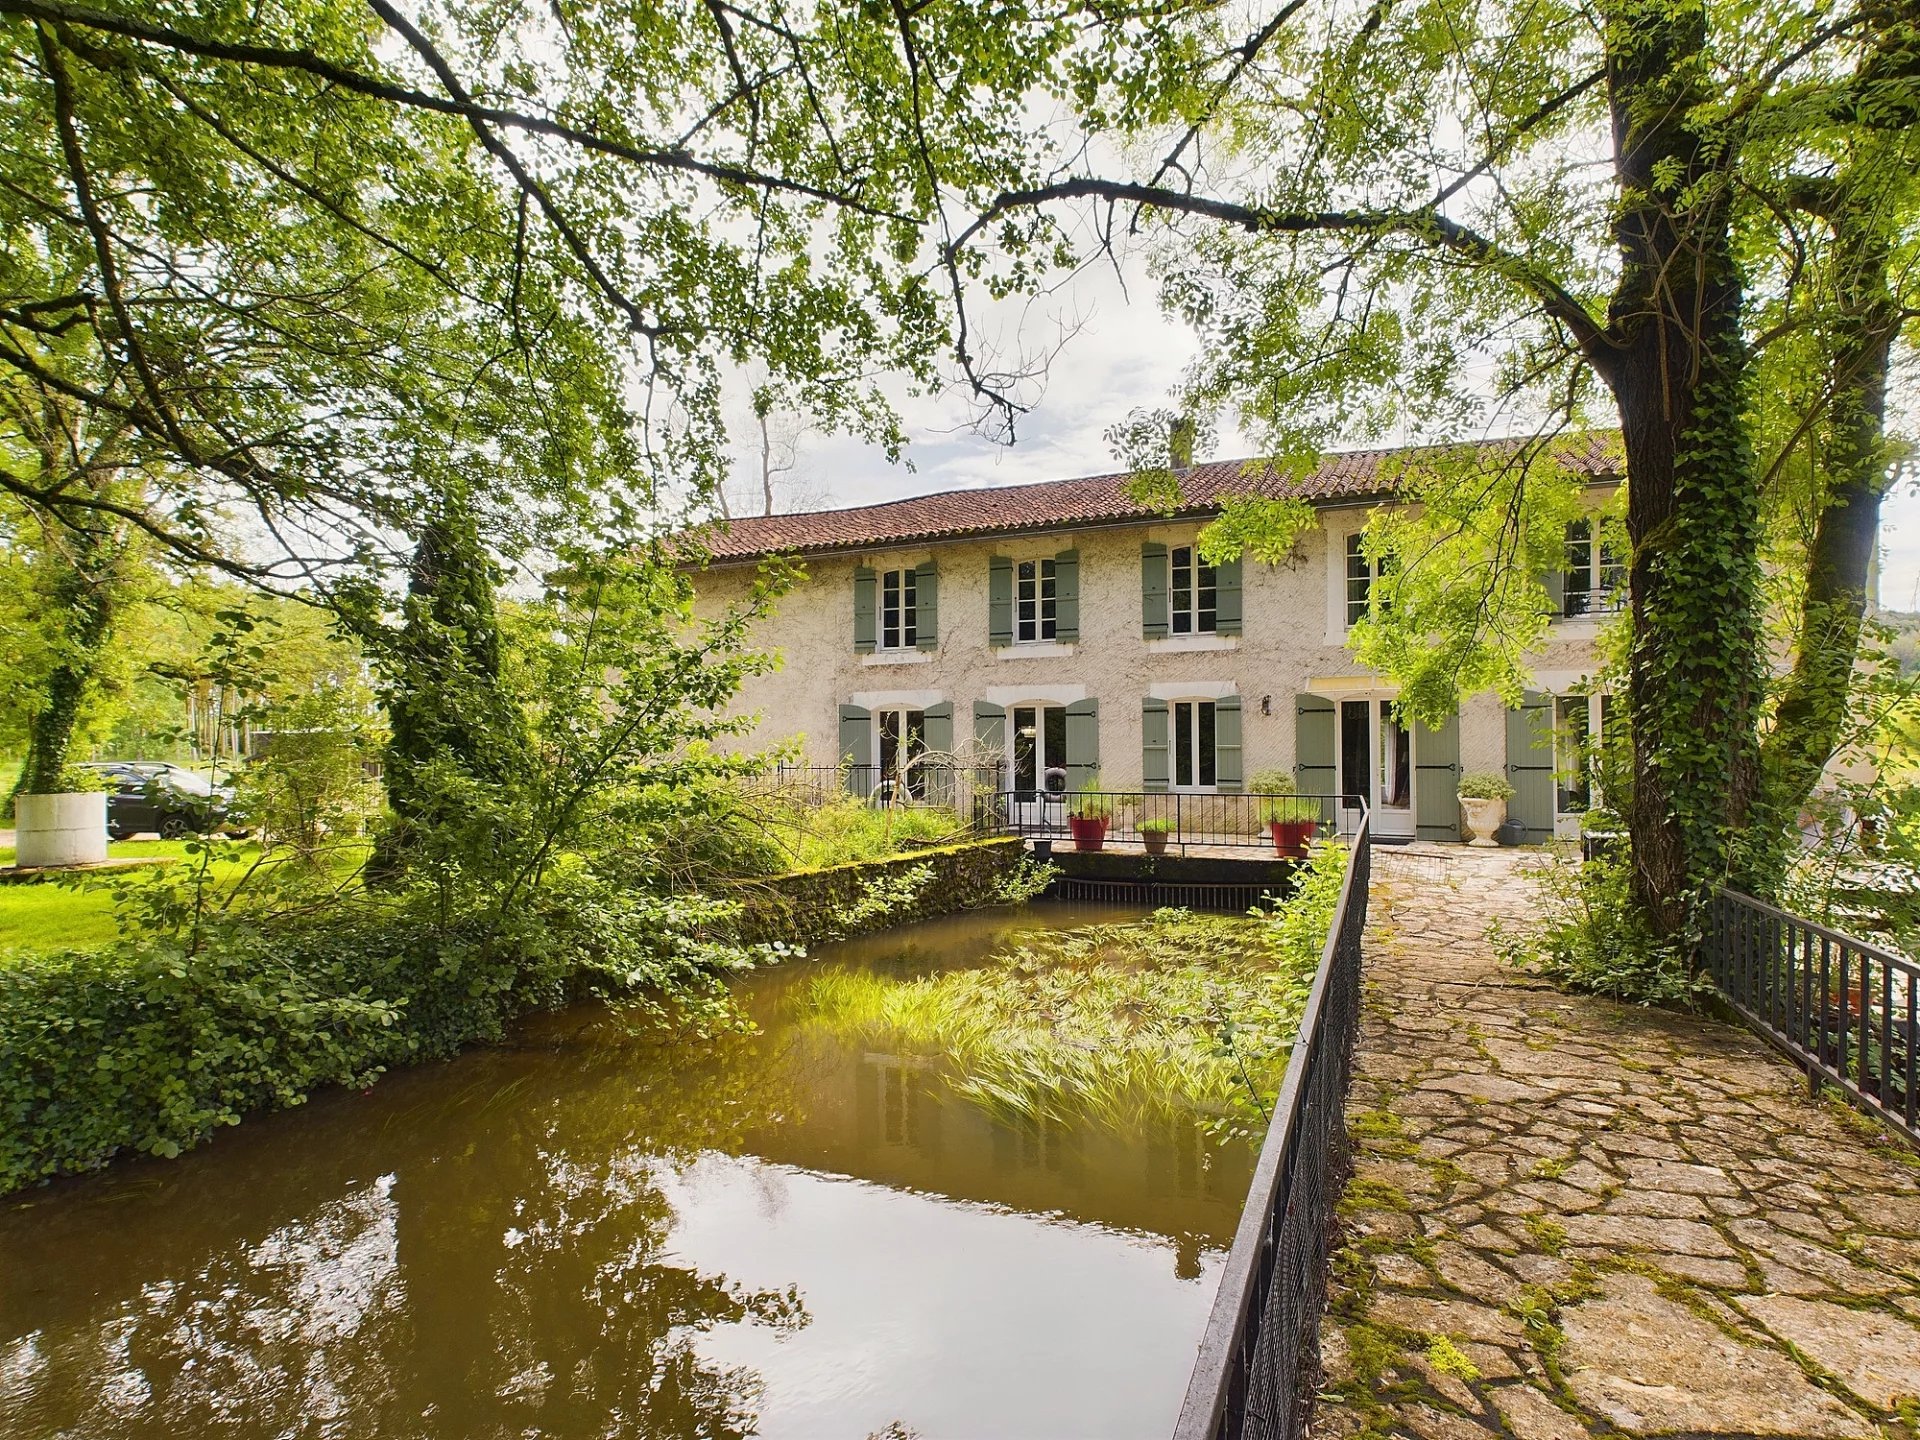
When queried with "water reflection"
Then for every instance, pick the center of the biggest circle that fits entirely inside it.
(591, 1233)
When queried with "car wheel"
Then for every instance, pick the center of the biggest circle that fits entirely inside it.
(175, 827)
(117, 832)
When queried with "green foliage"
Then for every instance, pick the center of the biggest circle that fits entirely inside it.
(150, 1047)
(1158, 825)
(1485, 785)
(1114, 1020)
(1588, 935)
(1266, 528)
(1282, 806)
(309, 788)
(1088, 803)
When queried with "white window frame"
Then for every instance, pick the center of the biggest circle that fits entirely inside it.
(1040, 590)
(1189, 575)
(1195, 760)
(1355, 606)
(1592, 733)
(1603, 590)
(898, 611)
(904, 711)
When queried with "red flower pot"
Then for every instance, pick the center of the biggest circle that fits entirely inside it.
(1087, 834)
(1291, 837)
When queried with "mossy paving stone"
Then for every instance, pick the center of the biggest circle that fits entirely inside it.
(1588, 1218)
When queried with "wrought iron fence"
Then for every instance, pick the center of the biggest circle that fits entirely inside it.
(1846, 1011)
(1251, 1379)
(1171, 819)
(951, 787)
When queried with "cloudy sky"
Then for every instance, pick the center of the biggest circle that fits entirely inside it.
(1123, 354)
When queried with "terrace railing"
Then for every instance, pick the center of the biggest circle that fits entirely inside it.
(1219, 821)
(1846, 1011)
(1252, 1378)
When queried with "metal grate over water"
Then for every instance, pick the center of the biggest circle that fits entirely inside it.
(1230, 896)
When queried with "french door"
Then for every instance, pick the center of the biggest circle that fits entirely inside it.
(1039, 734)
(1376, 763)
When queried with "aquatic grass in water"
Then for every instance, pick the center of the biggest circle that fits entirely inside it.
(1180, 1010)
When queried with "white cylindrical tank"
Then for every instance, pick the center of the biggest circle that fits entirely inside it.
(59, 830)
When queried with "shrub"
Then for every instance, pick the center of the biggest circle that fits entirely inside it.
(1160, 825)
(1590, 936)
(1484, 785)
(1088, 803)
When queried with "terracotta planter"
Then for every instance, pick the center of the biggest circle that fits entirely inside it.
(1481, 818)
(1087, 834)
(1155, 841)
(1291, 838)
(60, 830)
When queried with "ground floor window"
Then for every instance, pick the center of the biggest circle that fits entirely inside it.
(901, 738)
(1579, 722)
(1193, 744)
(1039, 746)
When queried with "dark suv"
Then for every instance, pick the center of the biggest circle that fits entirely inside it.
(168, 799)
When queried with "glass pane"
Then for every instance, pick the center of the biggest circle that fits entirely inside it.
(1577, 581)
(1046, 600)
(1053, 721)
(1573, 782)
(1396, 760)
(1183, 743)
(1359, 580)
(1355, 750)
(889, 743)
(1205, 742)
(1206, 599)
(1026, 774)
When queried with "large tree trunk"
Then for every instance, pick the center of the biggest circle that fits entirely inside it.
(1813, 709)
(84, 598)
(1678, 373)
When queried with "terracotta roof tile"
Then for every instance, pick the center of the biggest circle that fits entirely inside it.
(1100, 499)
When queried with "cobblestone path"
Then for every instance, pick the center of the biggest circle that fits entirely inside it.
(1570, 1217)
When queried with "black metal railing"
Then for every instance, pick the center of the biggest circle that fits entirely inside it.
(1133, 818)
(1253, 1377)
(951, 787)
(1846, 1011)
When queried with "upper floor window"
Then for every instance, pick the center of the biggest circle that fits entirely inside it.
(1594, 582)
(1195, 594)
(1362, 575)
(1034, 601)
(1194, 734)
(899, 610)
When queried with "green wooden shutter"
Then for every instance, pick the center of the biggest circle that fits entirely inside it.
(1083, 744)
(1556, 582)
(1436, 780)
(856, 748)
(865, 587)
(1066, 595)
(1155, 578)
(942, 783)
(926, 611)
(990, 733)
(1226, 598)
(1530, 765)
(1156, 747)
(1316, 769)
(1000, 601)
(1227, 773)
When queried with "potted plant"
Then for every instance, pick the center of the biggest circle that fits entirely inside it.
(67, 826)
(1483, 804)
(1088, 812)
(1289, 817)
(1154, 833)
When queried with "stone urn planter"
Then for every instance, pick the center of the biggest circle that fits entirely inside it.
(1155, 841)
(1089, 832)
(60, 830)
(1480, 818)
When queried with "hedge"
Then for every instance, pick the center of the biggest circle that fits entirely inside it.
(810, 906)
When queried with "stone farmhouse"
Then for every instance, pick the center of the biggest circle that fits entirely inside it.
(1060, 625)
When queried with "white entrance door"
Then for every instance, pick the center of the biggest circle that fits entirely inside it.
(1376, 762)
(1037, 764)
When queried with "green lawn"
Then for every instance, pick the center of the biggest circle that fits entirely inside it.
(76, 914)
